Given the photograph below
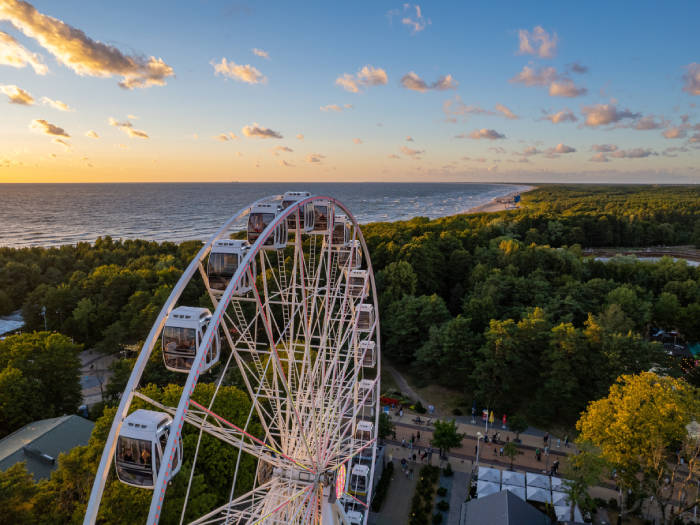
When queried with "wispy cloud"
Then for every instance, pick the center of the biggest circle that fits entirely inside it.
(607, 151)
(604, 114)
(314, 158)
(506, 112)
(365, 77)
(257, 131)
(412, 81)
(409, 139)
(564, 115)
(675, 132)
(56, 104)
(692, 79)
(393, 156)
(128, 128)
(649, 122)
(261, 53)
(357, 141)
(412, 153)
(243, 73)
(537, 42)
(604, 148)
(281, 149)
(559, 149)
(559, 85)
(74, 49)
(300, 136)
(92, 134)
(14, 54)
(412, 17)
(57, 133)
(336, 107)
(483, 133)
(286, 164)
(16, 95)
(575, 67)
(225, 137)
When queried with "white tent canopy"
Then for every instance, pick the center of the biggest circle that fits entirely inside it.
(538, 480)
(560, 498)
(518, 491)
(564, 513)
(558, 484)
(484, 488)
(539, 494)
(513, 478)
(489, 474)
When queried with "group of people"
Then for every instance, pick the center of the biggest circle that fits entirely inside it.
(128, 456)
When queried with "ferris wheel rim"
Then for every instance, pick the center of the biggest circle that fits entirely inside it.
(217, 318)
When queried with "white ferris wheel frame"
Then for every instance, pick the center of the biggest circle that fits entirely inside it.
(180, 416)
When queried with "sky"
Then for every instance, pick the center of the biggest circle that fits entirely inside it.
(362, 91)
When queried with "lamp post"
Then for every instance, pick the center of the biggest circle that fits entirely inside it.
(479, 437)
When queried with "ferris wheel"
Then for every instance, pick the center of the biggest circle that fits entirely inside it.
(294, 309)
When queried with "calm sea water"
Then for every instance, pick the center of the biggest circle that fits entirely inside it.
(54, 214)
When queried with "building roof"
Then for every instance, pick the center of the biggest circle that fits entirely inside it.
(39, 443)
(502, 508)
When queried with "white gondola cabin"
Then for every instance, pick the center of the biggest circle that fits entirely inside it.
(359, 480)
(354, 517)
(366, 353)
(341, 232)
(261, 216)
(364, 320)
(358, 283)
(140, 446)
(183, 334)
(306, 218)
(225, 258)
(365, 392)
(322, 216)
(364, 431)
(352, 253)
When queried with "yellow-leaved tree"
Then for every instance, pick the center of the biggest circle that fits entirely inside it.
(641, 430)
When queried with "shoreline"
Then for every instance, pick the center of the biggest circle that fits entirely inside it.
(494, 206)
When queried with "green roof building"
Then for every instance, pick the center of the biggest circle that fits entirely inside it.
(39, 443)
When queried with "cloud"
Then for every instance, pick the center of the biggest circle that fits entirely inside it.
(540, 76)
(128, 128)
(47, 128)
(286, 164)
(538, 42)
(559, 86)
(599, 157)
(649, 122)
(61, 142)
(357, 141)
(575, 67)
(564, 115)
(529, 152)
(244, 73)
(566, 88)
(225, 137)
(672, 152)
(413, 153)
(365, 77)
(17, 95)
(92, 134)
(676, 132)
(314, 158)
(281, 149)
(260, 53)
(603, 114)
(412, 81)
(604, 148)
(14, 54)
(692, 79)
(506, 112)
(336, 107)
(393, 156)
(559, 149)
(300, 136)
(259, 132)
(74, 49)
(484, 133)
(635, 153)
(409, 139)
(56, 104)
(413, 17)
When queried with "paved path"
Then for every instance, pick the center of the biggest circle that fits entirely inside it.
(404, 386)
(397, 504)
(457, 497)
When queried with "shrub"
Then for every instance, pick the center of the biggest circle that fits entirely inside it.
(442, 492)
(420, 408)
(447, 472)
(437, 518)
(456, 412)
(443, 505)
(382, 487)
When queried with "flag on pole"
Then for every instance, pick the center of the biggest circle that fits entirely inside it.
(491, 418)
(484, 415)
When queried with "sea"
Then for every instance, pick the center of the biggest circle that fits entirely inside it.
(56, 214)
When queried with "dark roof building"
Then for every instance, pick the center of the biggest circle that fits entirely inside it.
(39, 443)
(501, 508)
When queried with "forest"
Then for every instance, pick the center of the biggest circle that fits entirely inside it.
(502, 308)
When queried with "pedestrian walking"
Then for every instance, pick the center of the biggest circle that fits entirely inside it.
(501, 451)
(546, 438)
(538, 454)
(418, 436)
(566, 441)
(403, 443)
(558, 443)
(414, 458)
(410, 471)
(495, 451)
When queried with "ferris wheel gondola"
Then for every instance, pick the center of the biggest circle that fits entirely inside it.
(297, 317)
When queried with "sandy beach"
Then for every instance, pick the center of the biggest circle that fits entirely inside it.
(494, 205)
